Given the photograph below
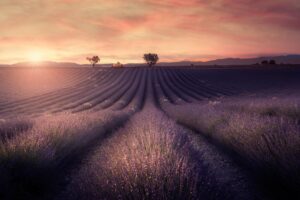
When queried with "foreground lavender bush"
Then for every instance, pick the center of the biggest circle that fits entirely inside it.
(30, 162)
(269, 144)
(150, 158)
(274, 106)
(12, 127)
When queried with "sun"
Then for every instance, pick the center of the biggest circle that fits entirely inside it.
(35, 57)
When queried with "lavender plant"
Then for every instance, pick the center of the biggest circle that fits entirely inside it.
(150, 158)
(268, 144)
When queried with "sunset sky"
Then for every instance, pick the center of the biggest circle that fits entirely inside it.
(120, 30)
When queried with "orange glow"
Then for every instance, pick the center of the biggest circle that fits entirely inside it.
(118, 30)
(35, 57)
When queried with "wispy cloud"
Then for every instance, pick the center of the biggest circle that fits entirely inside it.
(122, 30)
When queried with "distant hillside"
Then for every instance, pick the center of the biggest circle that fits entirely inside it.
(55, 64)
(289, 59)
(98, 65)
(46, 64)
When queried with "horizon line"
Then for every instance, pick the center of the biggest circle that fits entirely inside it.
(178, 61)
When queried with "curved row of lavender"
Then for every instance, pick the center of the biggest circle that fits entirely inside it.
(149, 133)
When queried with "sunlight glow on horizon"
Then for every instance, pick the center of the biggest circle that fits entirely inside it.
(35, 57)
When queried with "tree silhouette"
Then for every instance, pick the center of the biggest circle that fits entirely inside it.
(272, 62)
(151, 59)
(93, 60)
(268, 62)
(118, 65)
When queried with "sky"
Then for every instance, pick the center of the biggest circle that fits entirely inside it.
(123, 30)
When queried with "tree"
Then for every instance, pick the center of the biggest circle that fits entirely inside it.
(118, 65)
(272, 62)
(93, 60)
(264, 62)
(151, 59)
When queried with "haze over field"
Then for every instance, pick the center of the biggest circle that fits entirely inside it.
(118, 30)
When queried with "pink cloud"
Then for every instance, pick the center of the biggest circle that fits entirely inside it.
(170, 27)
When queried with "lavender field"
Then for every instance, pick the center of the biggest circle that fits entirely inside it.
(150, 133)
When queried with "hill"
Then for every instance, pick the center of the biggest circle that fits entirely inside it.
(287, 59)
(46, 64)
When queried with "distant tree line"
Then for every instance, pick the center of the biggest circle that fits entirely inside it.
(268, 62)
(150, 58)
